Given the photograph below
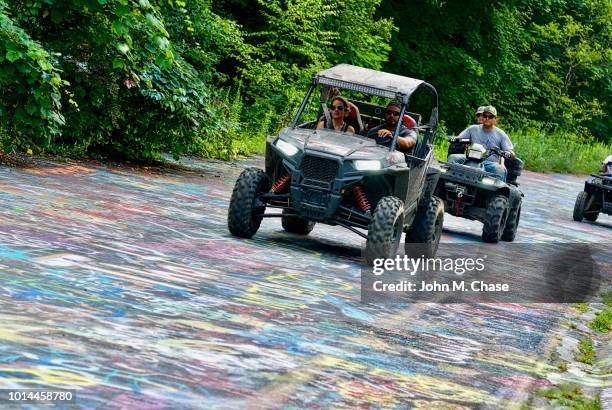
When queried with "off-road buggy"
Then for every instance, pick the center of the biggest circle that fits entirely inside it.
(595, 198)
(339, 178)
(470, 192)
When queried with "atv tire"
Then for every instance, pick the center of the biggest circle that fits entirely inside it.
(245, 203)
(426, 229)
(295, 224)
(385, 230)
(579, 206)
(586, 200)
(512, 223)
(495, 219)
(591, 216)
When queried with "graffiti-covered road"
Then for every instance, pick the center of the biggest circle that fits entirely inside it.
(124, 285)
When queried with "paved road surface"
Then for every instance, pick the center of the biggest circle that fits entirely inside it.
(125, 285)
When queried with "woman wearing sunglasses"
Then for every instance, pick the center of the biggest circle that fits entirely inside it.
(339, 110)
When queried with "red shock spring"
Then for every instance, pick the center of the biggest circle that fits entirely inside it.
(458, 204)
(362, 200)
(281, 183)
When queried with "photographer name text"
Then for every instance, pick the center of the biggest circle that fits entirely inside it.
(436, 287)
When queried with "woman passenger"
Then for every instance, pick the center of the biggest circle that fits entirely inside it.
(338, 110)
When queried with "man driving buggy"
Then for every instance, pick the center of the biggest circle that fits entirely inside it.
(491, 137)
(383, 134)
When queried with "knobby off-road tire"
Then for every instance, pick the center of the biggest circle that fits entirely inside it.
(586, 203)
(512, 223)
(495, 219)
(295, 224)
(245, 203)
(385, 230)
(591, 216)
(426, 229)
(579, 206)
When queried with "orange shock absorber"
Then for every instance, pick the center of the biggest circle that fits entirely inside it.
(361, 199)
(281, 183)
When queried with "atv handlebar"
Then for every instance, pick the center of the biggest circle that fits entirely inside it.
(467, 140)
(457, 140)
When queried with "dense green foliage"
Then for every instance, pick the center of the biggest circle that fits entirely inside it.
(134, 78)
(104, 75)
(542, 63)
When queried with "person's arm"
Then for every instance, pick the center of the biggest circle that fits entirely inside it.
(507, 146)
(406, 140)
(466, 133)
(350, 129)
(321, 124)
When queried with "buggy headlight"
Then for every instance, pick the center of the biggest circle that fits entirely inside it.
(489, 181)
(367, 165)
(395, 157)
(286, 148)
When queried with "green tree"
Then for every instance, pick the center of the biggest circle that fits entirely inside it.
(30, 88)
(570, 55)
(543, 63)
(132, 91)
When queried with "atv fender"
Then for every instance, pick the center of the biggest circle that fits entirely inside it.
(431, 181)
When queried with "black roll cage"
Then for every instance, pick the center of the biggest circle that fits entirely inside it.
(404, 99)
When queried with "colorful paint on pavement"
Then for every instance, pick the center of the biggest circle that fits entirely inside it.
(125, 285)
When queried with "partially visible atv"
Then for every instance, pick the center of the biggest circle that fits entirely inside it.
(338, 178)
(470, 192)
(596, 198)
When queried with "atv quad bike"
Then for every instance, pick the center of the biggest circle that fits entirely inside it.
(338, 178)
(596, 198)
(470, 192)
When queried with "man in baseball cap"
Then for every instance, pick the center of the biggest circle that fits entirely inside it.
(488, 135)
(479, 112)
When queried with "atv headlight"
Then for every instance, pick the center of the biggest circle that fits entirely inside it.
(367, 165)
(476, 151)
(489, 181)
(474, 154)
(286, 148)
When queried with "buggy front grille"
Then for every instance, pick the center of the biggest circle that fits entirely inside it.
(319, 169)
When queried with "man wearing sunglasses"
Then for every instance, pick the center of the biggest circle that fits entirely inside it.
(479, 112)
(383, 134)
(489, 136)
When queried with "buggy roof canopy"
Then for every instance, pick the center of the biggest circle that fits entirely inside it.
(368, 81)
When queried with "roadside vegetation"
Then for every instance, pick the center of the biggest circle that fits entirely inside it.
(570, 396)
(586, 351)
(131, 79)
(602, 322)
(579, 395)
